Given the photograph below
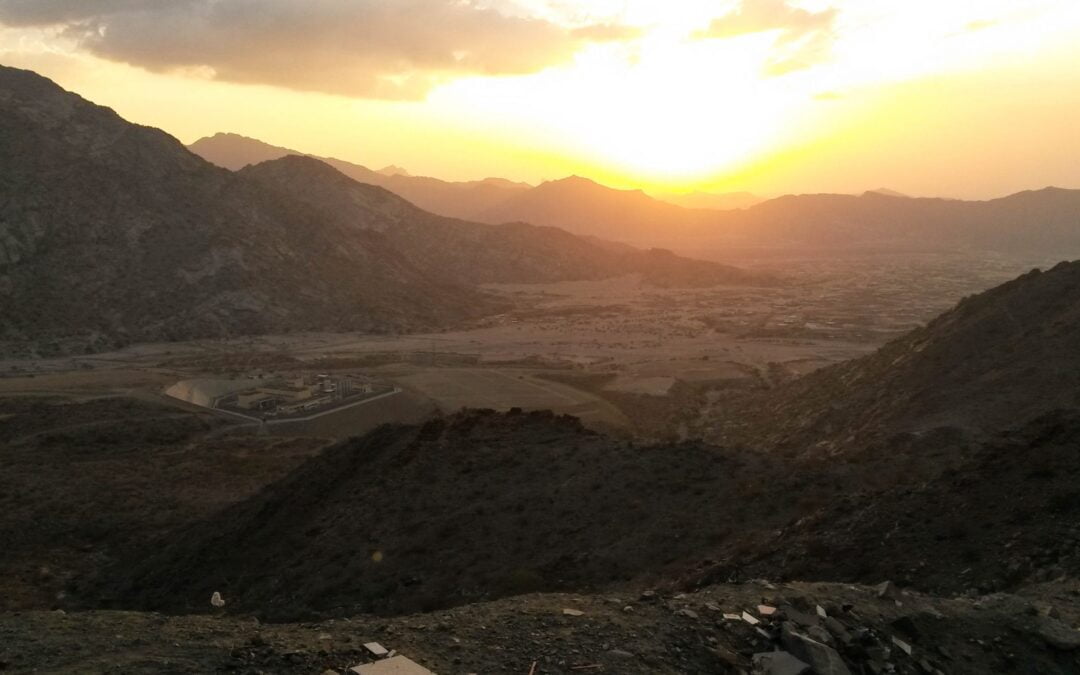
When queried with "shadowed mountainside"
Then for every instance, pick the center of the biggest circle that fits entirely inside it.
(413, 518)
(117, 229)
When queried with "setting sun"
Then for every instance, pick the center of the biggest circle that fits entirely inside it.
(684, 95)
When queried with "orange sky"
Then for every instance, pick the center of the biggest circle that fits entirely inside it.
(965, 99)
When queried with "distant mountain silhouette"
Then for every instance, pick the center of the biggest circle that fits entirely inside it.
(888, 193)
(394, 171)
(583, 206)
(457, 200)
(724, 201)
(475, 253)
(1044, 221)
(997, 360)
(114, 229)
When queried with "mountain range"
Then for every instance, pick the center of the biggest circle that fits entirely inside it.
(113, 229)
(724, 227)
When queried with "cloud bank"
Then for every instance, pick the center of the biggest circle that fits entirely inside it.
(391, 49)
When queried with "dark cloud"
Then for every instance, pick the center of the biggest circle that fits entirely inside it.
(803, 39)
(367, 48)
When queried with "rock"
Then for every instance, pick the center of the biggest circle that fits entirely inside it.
(778, 663)
(821, 612)
(329, 672)
(821, 635)
(216, 600)
(824, 659)
(621, 653)
(573, 612)
(628, 609)
(688, 613)
(838, 630)
(1056, 634)
(886, 590)
(648, 596)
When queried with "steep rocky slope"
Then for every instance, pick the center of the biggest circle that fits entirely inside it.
(942, 513)
(994, 362)
(114, 228)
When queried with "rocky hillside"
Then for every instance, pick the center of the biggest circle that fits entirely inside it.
(942, 513)
(857, 630)
(111, 228)
(483, 505)
(994, 362)
(477, 506)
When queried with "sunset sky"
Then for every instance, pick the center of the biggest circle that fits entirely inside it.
(929, 97)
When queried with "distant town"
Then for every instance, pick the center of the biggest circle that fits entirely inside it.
(269, 396)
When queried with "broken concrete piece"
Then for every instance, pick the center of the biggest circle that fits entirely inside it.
(573, 612)
(766, 610)
(750, 618)
(732, 617)
(376, 649)
(903, 646)
(779, 663)
(397, 665)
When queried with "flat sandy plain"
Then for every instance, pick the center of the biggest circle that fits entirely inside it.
(644, 339)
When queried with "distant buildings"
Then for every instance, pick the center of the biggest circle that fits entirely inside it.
(274, 397)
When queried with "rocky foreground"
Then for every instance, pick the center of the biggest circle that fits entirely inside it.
(756, 627)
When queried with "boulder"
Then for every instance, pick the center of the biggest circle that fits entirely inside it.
(824, 659)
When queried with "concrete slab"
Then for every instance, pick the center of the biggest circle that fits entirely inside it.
(397, 665)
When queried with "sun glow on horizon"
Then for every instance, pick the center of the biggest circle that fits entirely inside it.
(695, 95)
